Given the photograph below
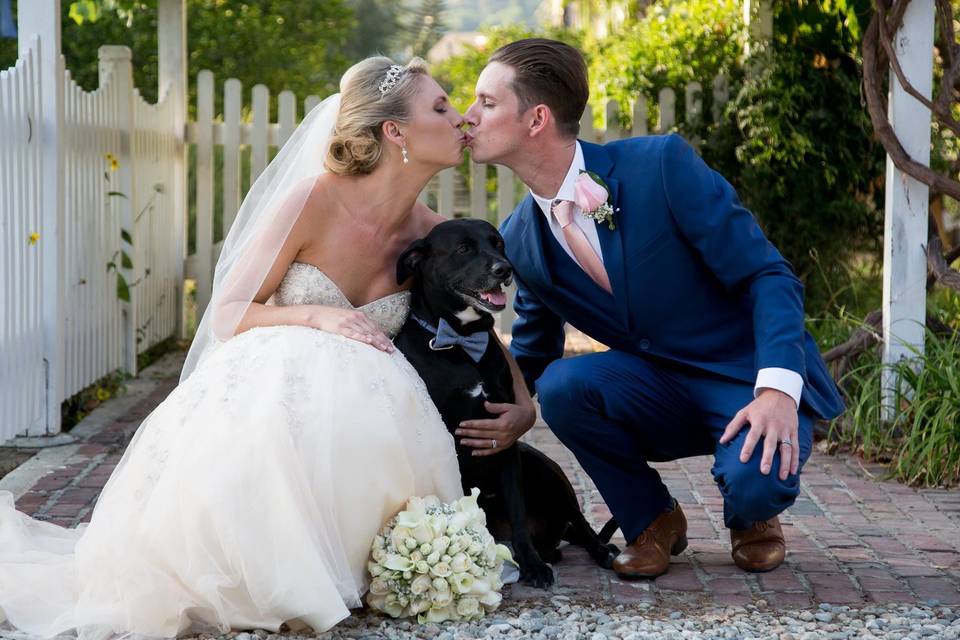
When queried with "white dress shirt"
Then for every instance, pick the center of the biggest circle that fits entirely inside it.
(784, 380)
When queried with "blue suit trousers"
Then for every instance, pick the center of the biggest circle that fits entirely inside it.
(617, 412)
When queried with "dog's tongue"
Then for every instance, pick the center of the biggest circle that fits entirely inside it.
(496, 297)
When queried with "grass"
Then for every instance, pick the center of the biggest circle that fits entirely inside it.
(922, 444)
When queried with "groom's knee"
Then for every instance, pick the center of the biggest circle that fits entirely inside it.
(751, 495)
(564, 392)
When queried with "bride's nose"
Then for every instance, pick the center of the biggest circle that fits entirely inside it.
(459, 122)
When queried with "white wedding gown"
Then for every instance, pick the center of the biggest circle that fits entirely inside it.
(249, 497)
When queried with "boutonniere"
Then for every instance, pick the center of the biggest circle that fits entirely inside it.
(591, 194)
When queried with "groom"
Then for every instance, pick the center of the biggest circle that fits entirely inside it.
(703, 316)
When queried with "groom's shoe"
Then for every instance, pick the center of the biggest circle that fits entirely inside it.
(649, 555)
(760, 548)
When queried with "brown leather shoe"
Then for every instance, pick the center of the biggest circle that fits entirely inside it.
(760, 548)
(649, 555)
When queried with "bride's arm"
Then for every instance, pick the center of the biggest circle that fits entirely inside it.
(235, 315)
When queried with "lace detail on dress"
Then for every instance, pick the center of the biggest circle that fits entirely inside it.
(306, 284)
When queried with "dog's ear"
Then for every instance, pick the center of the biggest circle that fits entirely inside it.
(409, 262)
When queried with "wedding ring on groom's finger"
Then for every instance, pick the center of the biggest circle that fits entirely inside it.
(493, 443)
(786, 441)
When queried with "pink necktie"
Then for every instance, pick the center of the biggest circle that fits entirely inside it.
(579, 245)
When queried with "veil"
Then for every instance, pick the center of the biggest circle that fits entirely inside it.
(261, 227)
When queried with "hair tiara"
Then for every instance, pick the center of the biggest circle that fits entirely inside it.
(392, 78)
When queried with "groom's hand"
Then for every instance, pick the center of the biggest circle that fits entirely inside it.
(773, 417)
(512, 421)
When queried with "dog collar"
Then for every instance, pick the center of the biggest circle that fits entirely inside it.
(446, 337)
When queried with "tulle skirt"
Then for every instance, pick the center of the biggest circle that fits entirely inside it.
(248, 498)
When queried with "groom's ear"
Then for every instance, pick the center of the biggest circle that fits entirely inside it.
(410, 261)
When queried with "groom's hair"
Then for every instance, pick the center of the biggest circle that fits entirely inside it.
(551, 73)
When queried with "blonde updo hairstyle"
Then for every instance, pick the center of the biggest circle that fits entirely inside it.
(357, 141)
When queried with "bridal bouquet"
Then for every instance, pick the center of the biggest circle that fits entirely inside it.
(437, 562)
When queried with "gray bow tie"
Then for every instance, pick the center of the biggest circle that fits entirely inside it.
(475, 344)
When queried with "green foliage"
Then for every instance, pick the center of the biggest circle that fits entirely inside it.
(285, 45)
(424, 28)
(674, 44)
(458, 75)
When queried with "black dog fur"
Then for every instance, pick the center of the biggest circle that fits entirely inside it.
(458, 271)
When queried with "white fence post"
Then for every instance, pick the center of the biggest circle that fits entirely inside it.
(172, 76)
(258, 134)
(232, 102)
(204, 175)
(905, 216)
(42, 18)
(116, 63)
(668, 110)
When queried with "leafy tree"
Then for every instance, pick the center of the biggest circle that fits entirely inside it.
(425, 27)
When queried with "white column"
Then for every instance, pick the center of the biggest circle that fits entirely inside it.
(116, 64)
(42, 18)
(905, 215)
(172, 72)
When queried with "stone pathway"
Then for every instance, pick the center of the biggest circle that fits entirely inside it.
(852, 539)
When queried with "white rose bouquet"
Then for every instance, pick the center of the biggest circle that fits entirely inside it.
(437, 562)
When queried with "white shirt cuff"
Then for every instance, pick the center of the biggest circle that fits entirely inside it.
(785, 380)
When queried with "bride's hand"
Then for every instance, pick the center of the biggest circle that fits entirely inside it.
(349, 323)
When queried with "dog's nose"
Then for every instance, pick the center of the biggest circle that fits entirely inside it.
(501, 269)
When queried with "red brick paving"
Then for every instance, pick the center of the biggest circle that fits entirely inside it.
(851, 538)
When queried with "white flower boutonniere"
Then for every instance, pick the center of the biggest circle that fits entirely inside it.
(593, 197)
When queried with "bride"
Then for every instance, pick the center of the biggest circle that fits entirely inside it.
(251, 495)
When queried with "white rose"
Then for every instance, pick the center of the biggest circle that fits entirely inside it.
(392, 606)
(407, 575)
(398, 535)
(420, 584)
(440, 544)
(425, 549)
(437, 522)
(396, 562)
(423, 532)
(441, 570)
(477, 570)
(457, 522)
(468, 607)
(419, 605)
(441, 598)
(433, 558)
(439, 614)
(480, 587)
(411, 543)
(491, 600)
(378, 555)
(474, 548)
(374, 568)
(454, 548)
(445, 558)
(440, 585)
(422, 567)
(379, 587)
(460, 563)
(416, 556)
(462, 582)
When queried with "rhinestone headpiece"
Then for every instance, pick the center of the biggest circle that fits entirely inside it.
(391, 79)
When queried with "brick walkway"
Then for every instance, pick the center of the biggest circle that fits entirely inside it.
(851, 539)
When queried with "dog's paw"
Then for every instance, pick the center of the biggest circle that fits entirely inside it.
(538, 575)
(551, 556)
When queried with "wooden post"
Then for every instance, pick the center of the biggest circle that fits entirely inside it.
(40, 19)
(905, 207)
(172, 75)
(204, 174)
(116, 64)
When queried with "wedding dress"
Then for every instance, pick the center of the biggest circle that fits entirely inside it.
(250, 496)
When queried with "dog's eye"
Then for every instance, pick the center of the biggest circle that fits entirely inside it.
(463, 249)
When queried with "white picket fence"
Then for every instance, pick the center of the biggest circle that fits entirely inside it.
(243, 126)
(64, 323)
(22, 367)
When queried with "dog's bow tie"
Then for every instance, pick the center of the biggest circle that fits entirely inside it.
(475, 344)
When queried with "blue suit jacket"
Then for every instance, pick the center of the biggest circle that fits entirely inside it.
(694, 279)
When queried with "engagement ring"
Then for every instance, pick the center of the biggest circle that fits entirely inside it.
(787, 442)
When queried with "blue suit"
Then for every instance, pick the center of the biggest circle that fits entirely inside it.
(701, 301)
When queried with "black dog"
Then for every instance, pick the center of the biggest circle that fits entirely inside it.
(459, 270)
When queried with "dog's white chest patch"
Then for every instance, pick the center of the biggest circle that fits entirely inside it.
(477, 391)
(468, 315)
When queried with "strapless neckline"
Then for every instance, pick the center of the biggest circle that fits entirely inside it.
(343, 296)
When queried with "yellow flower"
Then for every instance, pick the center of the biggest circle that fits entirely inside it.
(34, 238)
(114, 163)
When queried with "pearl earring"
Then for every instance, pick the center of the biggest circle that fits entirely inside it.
(403, 150)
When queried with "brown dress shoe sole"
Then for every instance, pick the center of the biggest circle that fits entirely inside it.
(678, 547)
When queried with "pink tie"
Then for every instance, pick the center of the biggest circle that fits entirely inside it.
(578, 243)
